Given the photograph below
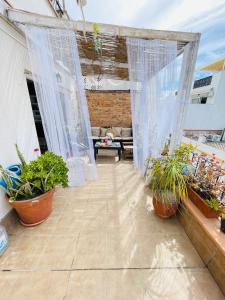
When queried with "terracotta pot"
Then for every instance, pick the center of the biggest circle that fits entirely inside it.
(201, 204)
(34, 211)
(164, 210)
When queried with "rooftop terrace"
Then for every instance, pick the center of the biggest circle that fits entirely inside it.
(103, 241)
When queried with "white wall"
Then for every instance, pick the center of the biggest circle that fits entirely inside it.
(212, 114)
(36, 6)
(16, 120)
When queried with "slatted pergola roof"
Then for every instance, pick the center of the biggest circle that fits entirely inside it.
(111, 62)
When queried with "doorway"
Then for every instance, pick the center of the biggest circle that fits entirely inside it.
(37, 116)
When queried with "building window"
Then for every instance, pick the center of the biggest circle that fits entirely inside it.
(199, 100)
(202, 82)
(203, 100)
(37, 116)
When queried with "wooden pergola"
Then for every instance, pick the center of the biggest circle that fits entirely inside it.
(112, 61)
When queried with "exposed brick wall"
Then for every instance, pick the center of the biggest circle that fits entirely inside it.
(109, 108)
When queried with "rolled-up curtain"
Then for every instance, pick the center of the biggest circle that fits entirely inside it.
(61, 98)
(153, 75)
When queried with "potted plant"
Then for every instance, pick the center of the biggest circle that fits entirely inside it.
(31, 193)
(205, 182)
(219, 208)
(167, 184)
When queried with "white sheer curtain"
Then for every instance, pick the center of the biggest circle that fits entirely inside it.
(153, 74)
(183, 94)
(61, 97)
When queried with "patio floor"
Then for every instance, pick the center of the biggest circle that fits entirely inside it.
(103, 242)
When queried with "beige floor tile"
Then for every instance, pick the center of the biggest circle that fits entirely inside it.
(58, 224)
(130, 250)
(143, 285)
(87, 285)
(152, 250)
(149, 224)
(35, 252)
(92, 251)
(33, 285)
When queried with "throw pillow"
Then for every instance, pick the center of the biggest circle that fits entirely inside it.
(117, 131)
(95, 131)
(126, 132)
(103, 131)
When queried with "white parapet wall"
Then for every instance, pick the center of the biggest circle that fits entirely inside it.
(16, 121)
(205, 148)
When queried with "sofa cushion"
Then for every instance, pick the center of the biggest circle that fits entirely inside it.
(103, 131)
(126, 132)
(112, 131)
(117, 131)
(95, 131)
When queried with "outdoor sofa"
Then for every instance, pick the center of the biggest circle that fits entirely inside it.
(120, 134)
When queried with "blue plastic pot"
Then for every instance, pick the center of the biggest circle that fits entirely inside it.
(184, 169)
(15, 168)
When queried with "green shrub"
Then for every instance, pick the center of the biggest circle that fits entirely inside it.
(46, 172)
(166, 174)
(166, 178)
(183, 152)
(38, 177)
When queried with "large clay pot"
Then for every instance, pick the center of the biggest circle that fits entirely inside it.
(201, 204)
(162, 209)
(34, 211)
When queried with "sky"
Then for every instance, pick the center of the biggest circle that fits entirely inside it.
(204, 16)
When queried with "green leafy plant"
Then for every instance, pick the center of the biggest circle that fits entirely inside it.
(166, 179)
(206, 176)
(217, 206)
(46, 172)
(183, 153)
(213, 203)
(20, 156)
(37, 177)
(12, 181)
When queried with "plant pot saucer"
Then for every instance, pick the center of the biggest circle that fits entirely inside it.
(33, 224)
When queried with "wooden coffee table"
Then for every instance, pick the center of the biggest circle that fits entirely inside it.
(113, 146)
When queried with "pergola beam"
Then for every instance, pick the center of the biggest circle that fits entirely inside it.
(24, 17)
(103, 63)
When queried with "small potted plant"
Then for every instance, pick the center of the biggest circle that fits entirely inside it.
(205, 182)
(31, 193)
(219, 208)
(167, 180)
(167, 184)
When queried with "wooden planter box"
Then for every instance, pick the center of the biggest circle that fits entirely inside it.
(207, 211)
